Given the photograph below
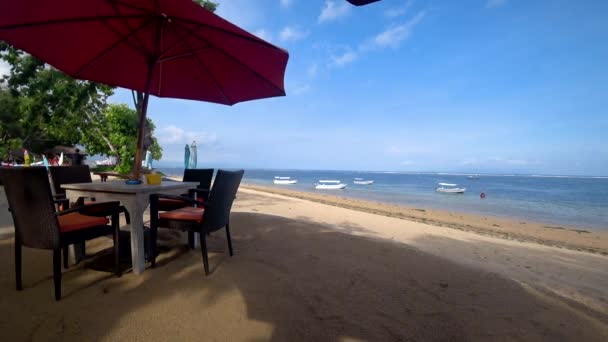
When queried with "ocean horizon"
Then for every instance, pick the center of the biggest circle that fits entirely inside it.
(571, 200)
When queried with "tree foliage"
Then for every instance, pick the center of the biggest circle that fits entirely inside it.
(45, 106)
(208, 5)
(10, 128)
(120, 124)
(41, 107)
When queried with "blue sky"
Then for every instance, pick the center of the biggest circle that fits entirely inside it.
(475, 86)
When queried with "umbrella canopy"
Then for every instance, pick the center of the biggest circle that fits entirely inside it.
(193, 155)
(187, 157)
(167, 48)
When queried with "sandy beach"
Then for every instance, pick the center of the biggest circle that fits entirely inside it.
(513, 229)
(309, 270)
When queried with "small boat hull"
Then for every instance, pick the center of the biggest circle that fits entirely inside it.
(367, 182)
(284, 182)
(330, 186)
(451, 190)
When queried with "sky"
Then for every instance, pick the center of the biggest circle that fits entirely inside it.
(500, 86)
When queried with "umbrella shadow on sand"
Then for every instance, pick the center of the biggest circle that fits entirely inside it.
(289, 280)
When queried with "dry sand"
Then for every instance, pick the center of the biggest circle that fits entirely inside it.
(306, 271)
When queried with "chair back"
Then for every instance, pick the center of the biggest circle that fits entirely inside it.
(69, 175)
(223, 193)
(30, 201)
(202, 176)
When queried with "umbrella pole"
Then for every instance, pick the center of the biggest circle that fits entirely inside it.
(140, 136)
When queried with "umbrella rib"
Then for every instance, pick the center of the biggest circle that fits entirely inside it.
(110, 48)
(253, 40)
(190, 34)
(236, 60)
(235, 34)
(68, 20)
(185, 54)
(215, 82)
(125, 23)
(161, 40)
(131, 6)
(137, 49)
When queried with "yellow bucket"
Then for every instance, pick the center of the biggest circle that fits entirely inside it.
(154, 178)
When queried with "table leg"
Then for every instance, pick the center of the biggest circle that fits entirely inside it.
(136, 207)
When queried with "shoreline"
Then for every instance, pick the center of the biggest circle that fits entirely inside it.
(561, 236)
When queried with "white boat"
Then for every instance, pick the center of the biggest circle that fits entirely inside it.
(475, 177)
(361, 181)
(330, 185)
(284, 180)
(106, 162)
(449, 188)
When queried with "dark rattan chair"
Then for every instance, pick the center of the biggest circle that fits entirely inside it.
(61, 175)
(39, 225)
(214, 216)
(201, 193)
(203, 177)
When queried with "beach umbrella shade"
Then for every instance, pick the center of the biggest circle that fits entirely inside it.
(187, 157)
(166, 48)
(193, 155)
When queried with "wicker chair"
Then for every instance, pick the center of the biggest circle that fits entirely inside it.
(61, 175)
(203, 177)
(214, 216)
(201, 193)
(38, 225)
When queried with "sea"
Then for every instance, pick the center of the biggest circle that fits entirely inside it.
(574, 201)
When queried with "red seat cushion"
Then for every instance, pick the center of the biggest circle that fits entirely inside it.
(175, 203)
(188, 214)
(76, 221)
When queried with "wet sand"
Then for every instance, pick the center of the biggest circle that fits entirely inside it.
(514, 229)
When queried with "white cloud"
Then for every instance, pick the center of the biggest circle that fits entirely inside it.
(332, 10)
(175, 135)
(262, 33)
(286, 3)
(343, 59)
(393, 36)
(312, 70)
(292, 34)
(397, 11)
(495, 3)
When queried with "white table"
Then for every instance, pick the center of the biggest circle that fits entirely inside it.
(135, 198)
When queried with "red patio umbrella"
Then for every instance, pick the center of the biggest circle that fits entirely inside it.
(167, 48)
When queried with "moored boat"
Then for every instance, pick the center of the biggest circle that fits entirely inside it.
(330, 185)
(284, 180)
(111, 161)
(361, 181)
(449, 188)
